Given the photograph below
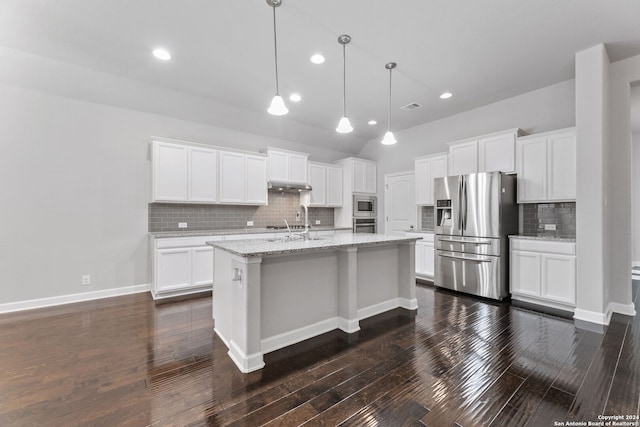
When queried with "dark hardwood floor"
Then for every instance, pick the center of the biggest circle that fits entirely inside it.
(126, 361)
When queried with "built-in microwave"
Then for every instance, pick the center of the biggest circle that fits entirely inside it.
(364, 206)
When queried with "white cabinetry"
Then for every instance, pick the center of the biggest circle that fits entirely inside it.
(426, 170)
(182, 265)
(182, 173)
(326, 185)
(243, 178)
(359, 175)
(424, 255)
(543, 272)
(487, 153)
(546, 165)
(287, 166)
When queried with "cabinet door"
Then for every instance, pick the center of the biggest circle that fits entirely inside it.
(463, 158)
(561, 169)
(525, 273)
(169, 172)
(424, 183)
(202, 266)
(173, 269)
(370, 178)
(298, 168)
(497, 153)
(334, 186)
(358, 176)
(232, 177)
(318, 182)
(256, 180)
(559, 278)
(438, 167)
(203, 173)
(278, 166)
(532, 169)
(428, 255)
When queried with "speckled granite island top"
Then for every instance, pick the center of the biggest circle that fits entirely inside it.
(263, 247)
(543, 237)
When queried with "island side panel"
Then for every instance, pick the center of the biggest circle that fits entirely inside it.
(222, 286)
(299, 297)
(348, 290)
(378, 273)
(407, 276)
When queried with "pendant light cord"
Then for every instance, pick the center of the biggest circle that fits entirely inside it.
(389, 106)
(275, 48)
(344, 80)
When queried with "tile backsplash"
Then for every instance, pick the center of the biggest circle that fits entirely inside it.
(426, 220)
(536, 215)
(166, 216)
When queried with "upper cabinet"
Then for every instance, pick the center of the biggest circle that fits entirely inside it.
(428, 168)
(546, 165)
(326, 184)
(182, 173)
(287, 166)
(363, 176)
(488, 153)
(243, 178)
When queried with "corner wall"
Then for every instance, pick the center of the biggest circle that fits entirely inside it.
(635, 211)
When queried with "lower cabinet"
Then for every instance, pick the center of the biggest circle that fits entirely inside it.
(543, 272)
(424, 255)
(182, 265)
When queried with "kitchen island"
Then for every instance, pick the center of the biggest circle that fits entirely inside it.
(269, 294)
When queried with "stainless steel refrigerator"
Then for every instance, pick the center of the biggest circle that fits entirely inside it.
(474, 214)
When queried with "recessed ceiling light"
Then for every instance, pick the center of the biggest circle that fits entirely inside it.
(295, 97)
(162, 54)
(372, 122)
(317, 58)
(446, 95)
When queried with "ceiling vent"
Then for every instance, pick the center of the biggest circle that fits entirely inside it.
(411, 106)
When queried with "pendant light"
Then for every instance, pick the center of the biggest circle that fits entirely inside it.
(277, 107)
(389, 139)
(343, 125)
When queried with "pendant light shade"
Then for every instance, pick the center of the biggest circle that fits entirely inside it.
(277, 107)
(344, 126)
(389, 139)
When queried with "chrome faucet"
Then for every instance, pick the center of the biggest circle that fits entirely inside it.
(305, 233)
(288, 228)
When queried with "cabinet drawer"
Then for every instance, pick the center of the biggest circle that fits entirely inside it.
(544, 246)
(185, 242)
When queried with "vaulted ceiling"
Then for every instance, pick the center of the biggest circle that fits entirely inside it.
(482, 51)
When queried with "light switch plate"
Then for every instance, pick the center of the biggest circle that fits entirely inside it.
(317, 222)
(551, 227)
(249, 223)
(182, 225)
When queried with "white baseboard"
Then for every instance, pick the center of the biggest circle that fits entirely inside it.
(348, 326)
(626, 309)
(279, 341)
(593, 316)
(68, 299)
(409, 304)
(245, 362)
(381, 307)
(553, 304)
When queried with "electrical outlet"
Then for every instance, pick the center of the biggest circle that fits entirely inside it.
(317, 222)
(298, 216)
(551, 227)
(86, 280)
(182, 225)
(249, 223)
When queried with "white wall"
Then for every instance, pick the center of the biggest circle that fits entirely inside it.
(546, 109)
(74, 185)
(635, 186)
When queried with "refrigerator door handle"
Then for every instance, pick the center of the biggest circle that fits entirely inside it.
(460, 181)
(464, 200)
(470, 242)
(465, 258)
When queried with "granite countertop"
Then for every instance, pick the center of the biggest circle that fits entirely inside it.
(543, 237)
(413, 230)
(193, 233)
(262, 247)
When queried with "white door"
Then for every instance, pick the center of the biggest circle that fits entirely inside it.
(561, 172)
(318, 182)
(232, 177)
(559, 278)
(370, 178)
(525, 273)
(463, 158)
(256, 180)
(334, 186)
(203, 173)
(532, 169)
(399, 202)
(298, 168)
(497, 153)
(169, 172)
(173, 269)
(358, 177)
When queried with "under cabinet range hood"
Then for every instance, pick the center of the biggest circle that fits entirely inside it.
(288, 187)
